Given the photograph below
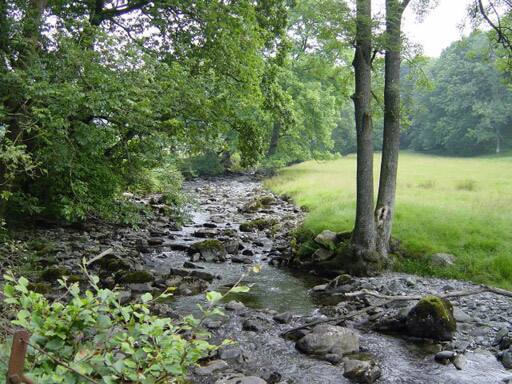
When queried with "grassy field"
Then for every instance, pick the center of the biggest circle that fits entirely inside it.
(460, 206)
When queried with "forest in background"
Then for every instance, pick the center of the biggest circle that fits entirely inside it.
(105, 97)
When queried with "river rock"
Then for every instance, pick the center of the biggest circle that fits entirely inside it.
(442, 260)
(431, 318)
(459, 362)
(361, 371)
(506, 359)
(322, 254)
(235, 306)
(239, 379)
(211, 367)
(283, 318)
(329, 339)
(252, 325)
(241, 259)
(232, 246)
(202, 275)
(230, 353)
(327, 239)
(444, 357)
(210, 250)
(461, 316)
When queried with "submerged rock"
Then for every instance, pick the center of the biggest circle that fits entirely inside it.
(362, 371)
(431, 318)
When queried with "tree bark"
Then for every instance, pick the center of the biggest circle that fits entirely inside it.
(274, 139)
(364, 235)
(384, 211)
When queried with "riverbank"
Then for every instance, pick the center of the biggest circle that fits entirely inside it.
(244, 225)
(459, 206)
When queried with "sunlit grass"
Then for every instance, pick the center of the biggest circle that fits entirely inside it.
(455, 205)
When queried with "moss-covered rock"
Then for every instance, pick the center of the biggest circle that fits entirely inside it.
(41, 287)
(137, 277)
(52, 274)
(42, 247)
(267, 201)
(258, 224)
(112, 263)
(210, 250)
(431, 318)
(76, 279)
(327, 239)
(258, 203)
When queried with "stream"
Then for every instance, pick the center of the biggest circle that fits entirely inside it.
(218, 208)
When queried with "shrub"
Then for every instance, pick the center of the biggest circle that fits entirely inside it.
(102, 339)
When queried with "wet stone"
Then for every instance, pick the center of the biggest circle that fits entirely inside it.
(283, 318)
(328, 339)
(361, 371)
(211, 367)
(230, 353)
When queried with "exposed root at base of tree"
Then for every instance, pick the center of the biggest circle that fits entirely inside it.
(391, 299)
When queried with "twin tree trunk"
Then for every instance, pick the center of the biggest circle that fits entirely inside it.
(372, 231)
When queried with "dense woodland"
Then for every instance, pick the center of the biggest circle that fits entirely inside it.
(103, 97)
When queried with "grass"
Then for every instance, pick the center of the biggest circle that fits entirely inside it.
(460, 206)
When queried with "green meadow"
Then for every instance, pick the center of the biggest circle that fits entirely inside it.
(460, 206)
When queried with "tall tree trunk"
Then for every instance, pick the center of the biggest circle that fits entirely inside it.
(274, 139)
(364, 235)
(391, 141)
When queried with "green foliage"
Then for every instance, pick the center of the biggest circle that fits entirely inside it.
(466, 109)
(90, 104)
(310, 86)
(102, 339)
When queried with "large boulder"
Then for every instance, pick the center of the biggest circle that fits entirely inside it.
(327, 239)
(431, 318)
(327, 340)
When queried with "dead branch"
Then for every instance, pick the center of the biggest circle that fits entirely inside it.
(391, 299)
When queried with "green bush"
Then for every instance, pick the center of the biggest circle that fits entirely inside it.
(102, 339)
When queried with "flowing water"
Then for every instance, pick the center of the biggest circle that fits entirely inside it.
(218, 201)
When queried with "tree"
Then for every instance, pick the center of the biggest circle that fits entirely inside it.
(372, 230)
(466, 110)
(364, 235)
(93, 99)
(391, 137)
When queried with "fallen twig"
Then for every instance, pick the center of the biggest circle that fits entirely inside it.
(391, 299)
(106, 252)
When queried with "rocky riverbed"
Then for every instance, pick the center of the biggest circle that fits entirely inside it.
(235, 224)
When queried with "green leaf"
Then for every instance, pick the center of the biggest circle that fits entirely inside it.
(240, 289)
(213, 296)
(146, 298)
